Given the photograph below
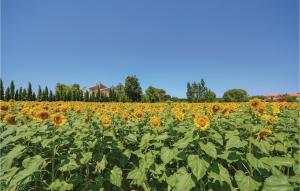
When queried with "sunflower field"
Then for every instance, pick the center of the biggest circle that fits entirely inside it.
(149, 146)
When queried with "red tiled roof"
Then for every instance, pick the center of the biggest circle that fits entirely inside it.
(98, 87)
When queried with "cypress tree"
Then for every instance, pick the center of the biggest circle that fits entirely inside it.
(12, 90)
(39, 96)
(1, 90)
(92, 97)
(29, 92)
(24, 94)
(86, 96)
(17, 95)
(20, 94)
(45, 94)
(51, 96)
(7, 94)
(33, 97)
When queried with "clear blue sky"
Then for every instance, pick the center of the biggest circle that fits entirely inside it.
(231, 44)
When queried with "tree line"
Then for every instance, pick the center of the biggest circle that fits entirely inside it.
(131, 91)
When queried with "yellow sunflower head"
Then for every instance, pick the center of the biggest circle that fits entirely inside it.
(41, 115)
(269, 118)
(179, 115)
(155, 122)
(202, 122)
(58, 119)
(255, 103)
(105, 121)
(139, 114)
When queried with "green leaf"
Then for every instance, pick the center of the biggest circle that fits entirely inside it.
(219, 173)
(71, 165)
(145, 139)
(101, 165)
(168, 154)
(246, 183)
(86, 157)
(235, 142)
(60, 185)
(31, 165)
(116, 176)
(198, 166)
(274, 183)
(132, 138)
(7, 160)
(181, 180)
(278, 161)
(137, 176)
(209, 149)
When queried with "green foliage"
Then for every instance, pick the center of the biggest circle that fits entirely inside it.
(133, 89)
(155, 94)
(198, 92)
(235, 95)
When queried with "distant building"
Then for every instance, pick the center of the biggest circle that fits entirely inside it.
(102, 88)
(279, 97)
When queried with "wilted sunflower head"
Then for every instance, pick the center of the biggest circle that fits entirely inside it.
(4, 107)
(105, 121)
(58, 119)
(155, 122)
(264, 132)
(215, 108)
(202, 122)
(10, 119)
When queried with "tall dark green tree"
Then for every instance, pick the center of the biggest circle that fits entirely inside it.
(29, 92)
(1, 90)
(51, 96)
(86, 96)
(45, 94)
(33, 96)
(24, 95)
(12, 90)
(21, 94)
(17, 95)
(40, 94)
(7, 94)
(189, 92)
(133, 89)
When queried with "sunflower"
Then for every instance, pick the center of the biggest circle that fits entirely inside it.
(105, 121)
(216, 108)
(179, 115)
(202, 122)
(58, 119)
(269, 118)
(255, 103)
(264, 132)
(4, 107)
(41, 115)
(139, 114)
(155, 122)
(10, 119)
(275, 109)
